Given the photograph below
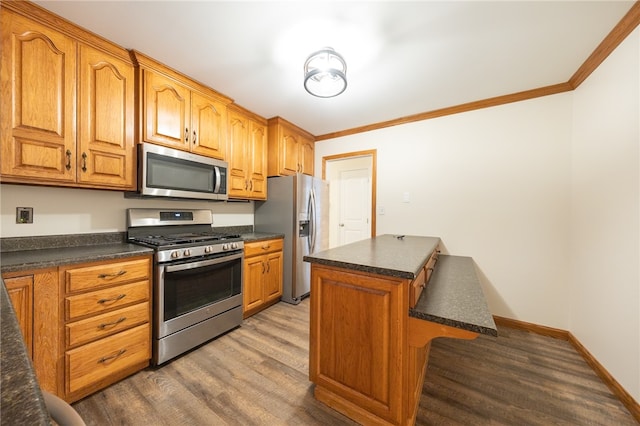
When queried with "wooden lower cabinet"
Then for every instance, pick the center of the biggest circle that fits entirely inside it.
(35, 298)
(86, 325)
(263, 262)
(20, 291)
(90, 367)
(107, 313)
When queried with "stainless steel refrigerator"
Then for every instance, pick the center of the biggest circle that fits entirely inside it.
(298, 207)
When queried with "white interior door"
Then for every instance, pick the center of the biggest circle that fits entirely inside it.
(355, 206)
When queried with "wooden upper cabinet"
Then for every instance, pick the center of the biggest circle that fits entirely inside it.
(208, 126)
(166, 104)
(258, 159)
(105, 115)
(179, 112)
(247, 154)
(38, 80)
(291, 149)
(68, 103)
(306, 149)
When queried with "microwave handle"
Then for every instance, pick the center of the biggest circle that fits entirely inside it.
(216, 190)
(202, 263)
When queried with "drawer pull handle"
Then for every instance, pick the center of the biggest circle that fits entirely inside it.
(110, 357)
(112, 299)
(117, 274)
(267, 247)
(111, 324)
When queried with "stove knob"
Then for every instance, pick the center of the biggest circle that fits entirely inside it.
(208, 249)
(187, 252)
(225, 246)
(234, 245)
(175, 254)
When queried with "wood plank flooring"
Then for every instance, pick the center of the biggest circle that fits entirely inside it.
(258, 375)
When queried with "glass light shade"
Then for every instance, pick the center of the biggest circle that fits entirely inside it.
(325, 73)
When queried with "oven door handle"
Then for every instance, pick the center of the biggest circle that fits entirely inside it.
(202, 263)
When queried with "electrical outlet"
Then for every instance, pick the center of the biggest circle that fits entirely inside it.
(24, 214)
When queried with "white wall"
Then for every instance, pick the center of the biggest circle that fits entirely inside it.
(80, 211)
(494, 185)
(605, 215)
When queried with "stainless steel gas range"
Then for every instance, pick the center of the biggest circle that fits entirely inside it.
(197, 283)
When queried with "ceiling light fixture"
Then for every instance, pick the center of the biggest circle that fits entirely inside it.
(325, 73)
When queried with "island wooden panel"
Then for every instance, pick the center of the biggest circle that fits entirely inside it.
(358, 342)
(367, 357)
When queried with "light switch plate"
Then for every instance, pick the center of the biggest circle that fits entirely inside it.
(24, 214)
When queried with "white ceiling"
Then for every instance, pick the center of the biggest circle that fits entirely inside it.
(403, 58)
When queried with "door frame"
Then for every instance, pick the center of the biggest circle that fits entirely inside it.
(373, 154)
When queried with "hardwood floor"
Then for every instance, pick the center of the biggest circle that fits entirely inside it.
(258, 375)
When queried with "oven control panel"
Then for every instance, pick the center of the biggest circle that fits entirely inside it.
(169, 255)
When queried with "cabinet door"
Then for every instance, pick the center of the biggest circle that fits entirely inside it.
(208, 126)
(305, 156)
(254, 269)
(273, 276)
(238, 152)
(106, 147)
(165, 113)
(38, 85)
(258, 161)
(288, 150)
(20, 291)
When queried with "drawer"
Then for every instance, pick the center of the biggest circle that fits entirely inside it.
(106, 274)
(431, 263)
(107, 299)
(99, 326)
(97, 361)
(262, 247)
(416, 287)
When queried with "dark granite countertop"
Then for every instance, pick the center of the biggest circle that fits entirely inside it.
(383, 255)
(29, 253)
(22, 400)
(52, 257)
(252, 237)
(454, 297)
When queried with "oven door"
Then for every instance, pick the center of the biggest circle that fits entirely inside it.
(192, 291)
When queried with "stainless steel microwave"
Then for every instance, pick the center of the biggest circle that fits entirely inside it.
(168, 172)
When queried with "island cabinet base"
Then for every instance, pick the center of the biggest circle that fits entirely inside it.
(367, 357)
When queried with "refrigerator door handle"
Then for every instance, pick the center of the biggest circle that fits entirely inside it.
(312, 221)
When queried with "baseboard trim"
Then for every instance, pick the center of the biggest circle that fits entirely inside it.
(624, 396)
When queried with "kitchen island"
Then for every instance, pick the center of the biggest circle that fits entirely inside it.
(376, 305)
